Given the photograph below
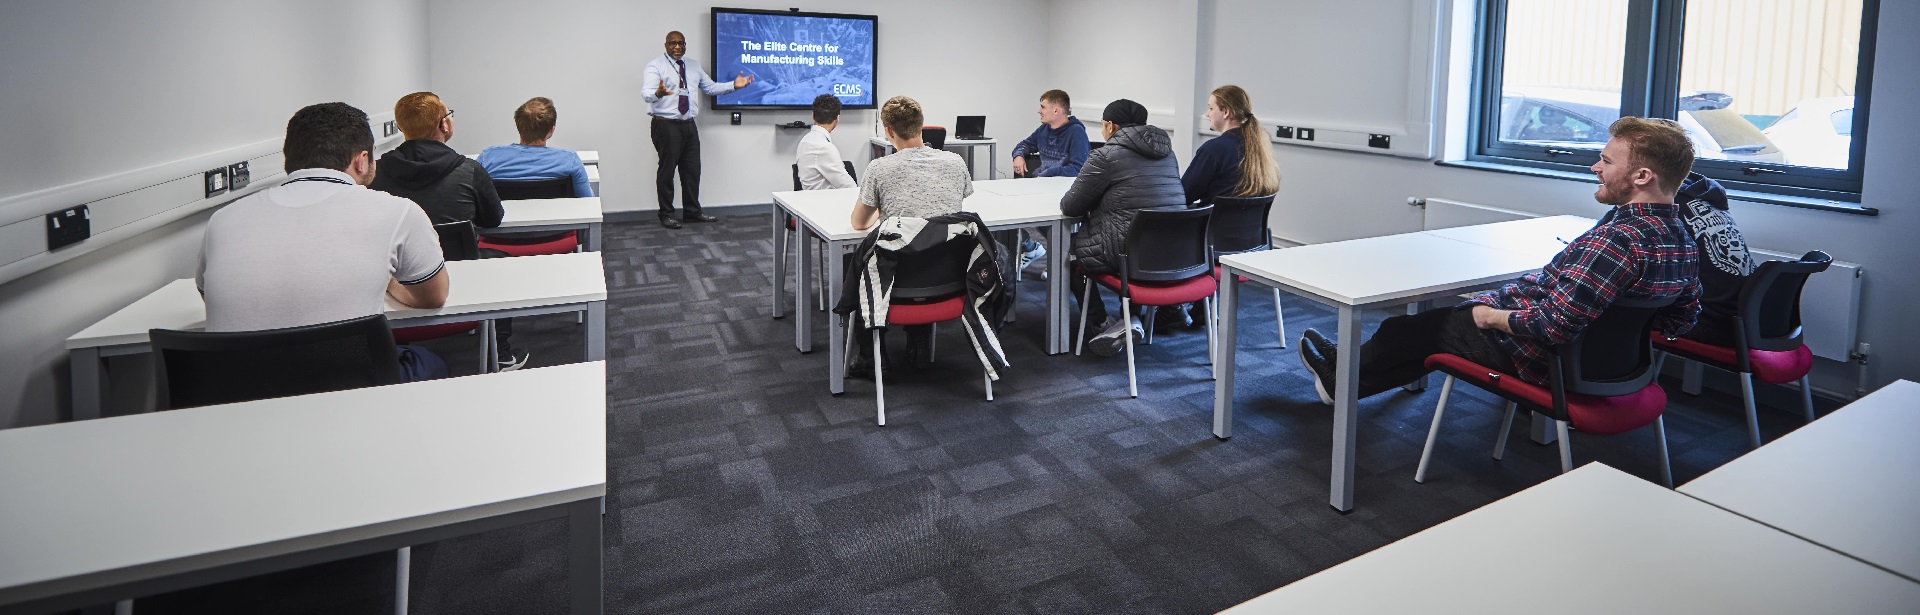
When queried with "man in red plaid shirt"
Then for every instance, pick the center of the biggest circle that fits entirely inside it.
(1644, 251)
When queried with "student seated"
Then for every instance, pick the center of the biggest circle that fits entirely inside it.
(1135, 170)
(320, 247)
(1228, 165)
(450, 187)
(915, 181)
(1725, 261)
(821, 167)
(1061, 146)
(1642, 250)
(532, 158)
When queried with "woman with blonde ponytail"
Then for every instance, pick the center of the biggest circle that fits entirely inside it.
(1239, 162)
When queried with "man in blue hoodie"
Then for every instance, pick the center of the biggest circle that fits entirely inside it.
(1061, 145)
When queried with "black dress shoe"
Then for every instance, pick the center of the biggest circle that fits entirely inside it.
(669, 223)
(699, 218)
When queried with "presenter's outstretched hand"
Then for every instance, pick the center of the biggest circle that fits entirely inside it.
(1019, 165)
(742, 80)
(662, 90)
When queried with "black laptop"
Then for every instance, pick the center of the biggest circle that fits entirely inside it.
(970, 128)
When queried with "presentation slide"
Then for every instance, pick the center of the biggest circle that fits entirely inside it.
(793, 57)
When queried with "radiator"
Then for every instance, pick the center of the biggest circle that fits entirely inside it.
(1829, 306)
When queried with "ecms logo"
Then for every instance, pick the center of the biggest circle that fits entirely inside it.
(847, 89)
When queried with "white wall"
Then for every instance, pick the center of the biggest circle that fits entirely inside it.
(489, 56)
(1328, 195)
(94, 88)
(1103, 50)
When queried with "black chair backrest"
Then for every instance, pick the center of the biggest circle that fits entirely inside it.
(1770, 301)
(458, 240)
(796, 174)
(1094, 145)
(522, 189)
(1613, 355)
(935, 136)
(1168, 244)
(196, 368)
(1240, 224)
(1033, 164)
(935, 273)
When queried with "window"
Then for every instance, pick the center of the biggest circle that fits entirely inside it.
(1767, 89)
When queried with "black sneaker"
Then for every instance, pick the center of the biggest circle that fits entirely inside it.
(1319, 366)
(699, 218)
(513, 358)
(1321, 345)
(670, 223)
(1168, 318)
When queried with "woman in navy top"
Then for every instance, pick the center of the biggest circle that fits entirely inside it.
(1230, 164)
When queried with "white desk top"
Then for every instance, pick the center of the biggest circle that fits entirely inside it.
(533, 212)
(831, 211)
(589, 156)
(1055, 187)
(1596, 541)
(593, 173)
(1846, 481)
(1539, 236)
(477, 286)
(951, 142)
(1380, 269)
(90, 503)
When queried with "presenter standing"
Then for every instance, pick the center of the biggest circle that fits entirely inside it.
(670, 83)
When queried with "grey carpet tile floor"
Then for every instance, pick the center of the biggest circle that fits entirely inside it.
(737, 484)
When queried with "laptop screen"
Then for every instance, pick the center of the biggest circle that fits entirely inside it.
(970, 126)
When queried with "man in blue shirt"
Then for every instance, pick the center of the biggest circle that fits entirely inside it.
(670, 83)
(531, 158)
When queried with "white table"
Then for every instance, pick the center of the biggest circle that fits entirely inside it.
(1845, 481)
(1596, 540)
(480, 290)
(1356, 275)
(879, 146)
(176, 499)
(593, 178)
(589, 157)
(580, 214)
(827, 215)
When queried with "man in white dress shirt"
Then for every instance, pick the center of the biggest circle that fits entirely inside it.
(670, 83)
(820, 163)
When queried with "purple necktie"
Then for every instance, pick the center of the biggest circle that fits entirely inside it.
(683, 86)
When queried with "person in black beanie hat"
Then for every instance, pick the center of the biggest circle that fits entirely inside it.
(1135, 170)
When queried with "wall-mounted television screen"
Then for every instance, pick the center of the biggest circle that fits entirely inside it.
(793, 57)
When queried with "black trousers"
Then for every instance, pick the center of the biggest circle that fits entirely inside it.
(1397, 353)
(678, 144)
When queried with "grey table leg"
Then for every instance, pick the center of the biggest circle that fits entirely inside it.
(803, 313)
(593, 237)
(88, 373)
(836, 330)
(1223, 359)
(583, 557)
(779, 260)
(1415, 308)
(596, 330)
(993, 161)
(1057, 337)
(1346, 406)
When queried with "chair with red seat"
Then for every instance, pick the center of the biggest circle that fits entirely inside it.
(1601, 382)
(1240, 226)
(928, 287)
(520, 243)
(1768, 340)
(1167, 260)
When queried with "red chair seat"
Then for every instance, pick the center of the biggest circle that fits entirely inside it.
(1770, 366)
(557, 244)
(1595, 415)
(1165, 293)
(410, 335)
(925, 313)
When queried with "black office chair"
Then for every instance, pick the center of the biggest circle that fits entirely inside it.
(792, 226)
(1240, 226)
(523, 189)
(935, 136)
(929, 287)
(1768, 339)
(1167, 260)
(197, 368)
(1033, 165)
(848, 164)
(1601, 382)
(458, 240)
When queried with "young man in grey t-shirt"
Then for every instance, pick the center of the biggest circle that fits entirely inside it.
(915, 181)
(320, 247)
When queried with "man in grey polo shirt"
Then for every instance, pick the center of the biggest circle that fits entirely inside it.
(320, 247)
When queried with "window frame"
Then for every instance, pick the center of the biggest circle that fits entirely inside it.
(1650, 84)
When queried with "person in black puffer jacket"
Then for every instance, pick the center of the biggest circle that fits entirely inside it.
(1135, 170)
